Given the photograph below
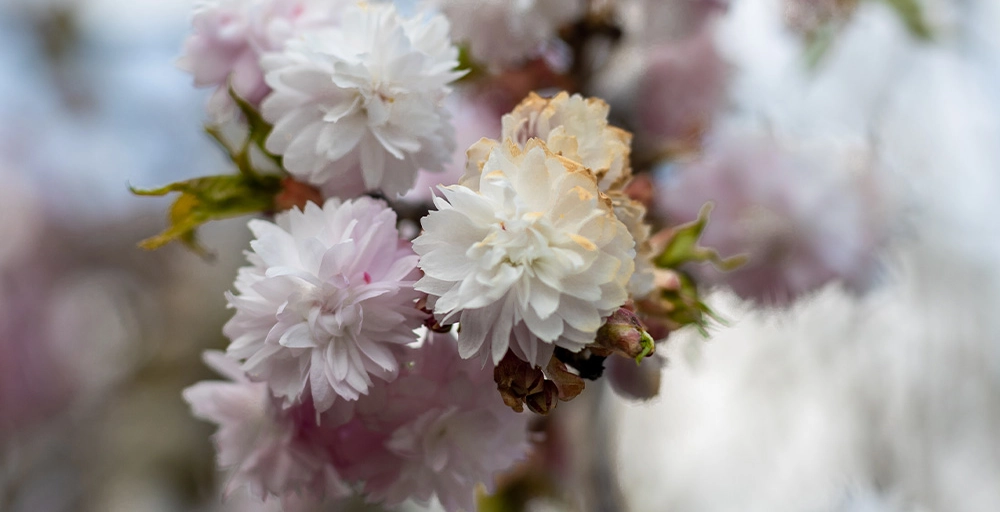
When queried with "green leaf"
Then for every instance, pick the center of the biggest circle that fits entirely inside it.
(683, 246)
(259, 130)
(466, 63)
(683, 303)
(210, 198)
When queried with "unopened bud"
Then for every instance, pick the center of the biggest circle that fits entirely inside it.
(624, 334)
(666, 279)
(545, 400)
(516, 380)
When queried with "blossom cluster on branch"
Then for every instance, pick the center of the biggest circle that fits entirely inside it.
(385, 341)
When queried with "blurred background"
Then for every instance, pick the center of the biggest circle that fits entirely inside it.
(851, 149)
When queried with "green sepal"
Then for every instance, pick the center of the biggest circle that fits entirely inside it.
(259, 128)
(210, 198)
(648, 345)
(687, 307)
(683, 247)
(468, 65)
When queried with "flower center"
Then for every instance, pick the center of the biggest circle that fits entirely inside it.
(334, 315)
(522, 240)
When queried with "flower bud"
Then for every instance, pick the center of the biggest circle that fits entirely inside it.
(516, 379)
(544, 401)
(624, 334)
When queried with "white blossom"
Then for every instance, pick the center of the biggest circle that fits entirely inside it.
(533, 252)
(363, 103)
(577, 128)
(327, 299)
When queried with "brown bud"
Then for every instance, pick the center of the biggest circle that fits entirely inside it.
(516, 380)
(545, 400)
(624, 334)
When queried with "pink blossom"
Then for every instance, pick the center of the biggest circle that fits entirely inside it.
(439, 430)
(448, 430)
(266, 448)
(326, 303)
(231, 35)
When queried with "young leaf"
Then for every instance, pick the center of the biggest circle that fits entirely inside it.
(210, 198)
(683, 246)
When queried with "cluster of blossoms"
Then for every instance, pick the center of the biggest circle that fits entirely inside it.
(346, 375)
(332, 395)
(384, 338)
(437, 431)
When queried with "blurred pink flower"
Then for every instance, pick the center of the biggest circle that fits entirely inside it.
(33, 381)
(802, 215)
(682, 88)
(654, 21)
(503, 33)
